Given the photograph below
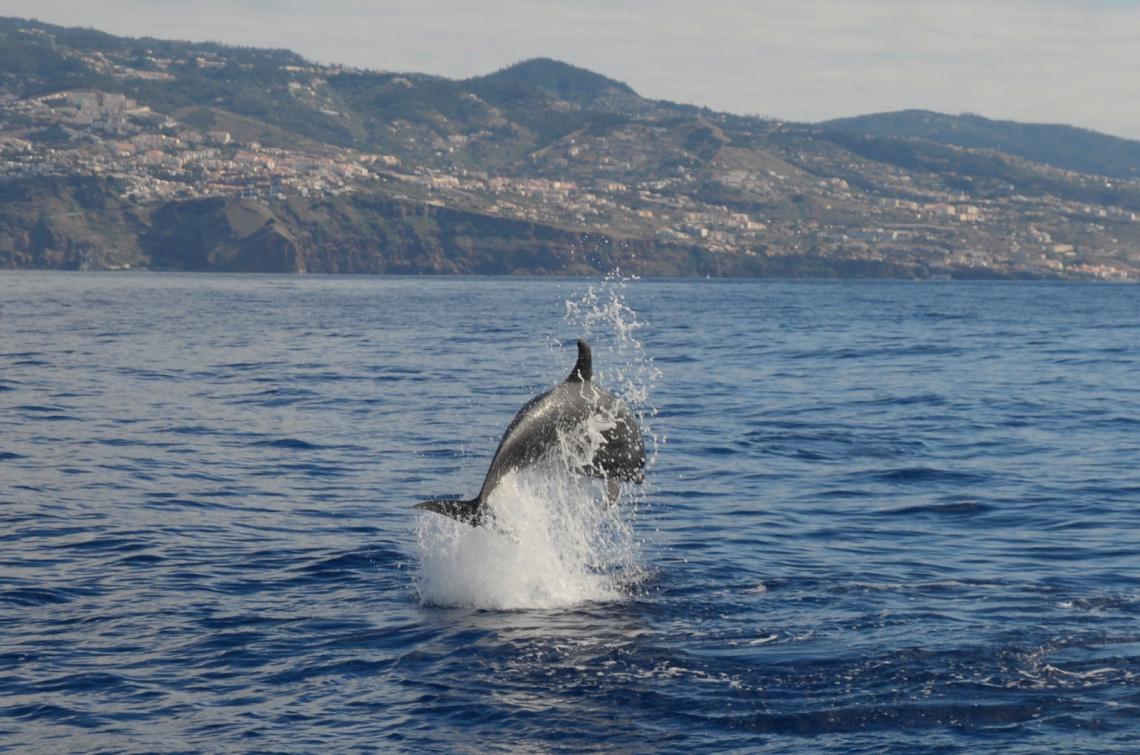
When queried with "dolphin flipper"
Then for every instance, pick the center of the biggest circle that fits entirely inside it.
(613, 488)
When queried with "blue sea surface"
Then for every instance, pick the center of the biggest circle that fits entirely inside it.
(878, 517)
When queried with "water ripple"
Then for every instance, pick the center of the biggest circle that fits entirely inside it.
(878, 517)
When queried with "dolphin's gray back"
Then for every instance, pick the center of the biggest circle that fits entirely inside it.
(529, 438)
(559, 417)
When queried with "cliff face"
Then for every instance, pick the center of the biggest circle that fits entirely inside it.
(74, 223)
(359, 235)
(380, 235)
(221, 235)
(82, 223)
(68, 224)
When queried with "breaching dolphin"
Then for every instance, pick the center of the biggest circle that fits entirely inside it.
(572, 421)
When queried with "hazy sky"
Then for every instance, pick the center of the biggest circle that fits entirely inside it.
(1042, 61)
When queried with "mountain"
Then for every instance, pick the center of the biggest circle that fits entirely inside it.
(1066, 147)
(177, 155)
(566, 82)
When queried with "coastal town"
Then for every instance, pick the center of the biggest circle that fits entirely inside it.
(630, 179)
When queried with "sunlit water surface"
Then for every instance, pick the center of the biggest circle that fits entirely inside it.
(878, 517)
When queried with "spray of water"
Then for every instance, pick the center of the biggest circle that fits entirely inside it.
(554, 542)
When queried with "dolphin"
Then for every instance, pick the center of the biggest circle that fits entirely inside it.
(574, 416)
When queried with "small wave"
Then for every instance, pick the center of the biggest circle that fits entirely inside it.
(345, 567)
(825, 444)
(142, 559)
(50, 413)
(290, 443)
(34, 596)
(194, 430)
(956, 508)
(928, 474)
(858, 718)
(308, 470)
(107, 543)
(247, 366)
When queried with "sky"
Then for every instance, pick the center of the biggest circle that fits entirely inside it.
(1075, 62)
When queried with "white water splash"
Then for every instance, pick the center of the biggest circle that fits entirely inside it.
(602, 316)
(554, 542)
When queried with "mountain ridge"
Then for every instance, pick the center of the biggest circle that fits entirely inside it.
(1068, 147)
(408, 172)
(576, 85)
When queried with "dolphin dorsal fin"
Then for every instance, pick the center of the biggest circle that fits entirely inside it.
(583, 371)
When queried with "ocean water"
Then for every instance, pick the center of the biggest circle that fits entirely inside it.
(878, 516)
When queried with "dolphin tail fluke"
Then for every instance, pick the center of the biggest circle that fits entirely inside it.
(468, 512)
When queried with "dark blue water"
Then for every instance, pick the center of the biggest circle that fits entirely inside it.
(878, 517)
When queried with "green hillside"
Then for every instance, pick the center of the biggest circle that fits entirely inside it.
(179, 155)
(1061, 146)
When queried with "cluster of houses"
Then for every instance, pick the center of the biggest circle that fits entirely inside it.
(107, 134)
(91, 132)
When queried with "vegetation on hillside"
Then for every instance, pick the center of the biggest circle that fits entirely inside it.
(1062, 146)
(539, 167)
